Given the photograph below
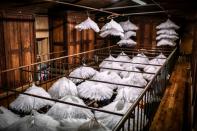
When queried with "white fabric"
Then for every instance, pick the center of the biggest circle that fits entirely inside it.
(142, 59)
(129, 68)
(165, 42)
(167, 32)
(26, 103)
(63, 87)
(88, 24)
(168, 25)
(129, 94)
(82, 72)
(93, 125)
(110, 120)
(112, 25)
(135, 79)
(164, 36)
(95, 90)
(105, 61)
(114, 65)
(128, 34)
(7, 118)
(128, 42)
(108, 77)
(123, 57)
(61, 111)
(113, 32)
(150, 69)
(37, 122)
(71, 124)
(158, 60)
(127, 25)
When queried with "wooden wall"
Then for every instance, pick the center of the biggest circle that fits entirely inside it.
(18, 40)
(194, 78)
(42, 37)
(64, 36)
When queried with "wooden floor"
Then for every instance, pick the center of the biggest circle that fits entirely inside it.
(170, 114)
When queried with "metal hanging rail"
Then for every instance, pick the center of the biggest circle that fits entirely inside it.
(143, 13)
(82, 6)
(125, 7)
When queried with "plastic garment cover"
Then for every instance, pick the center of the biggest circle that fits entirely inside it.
(7, 118)
(110, 120)
(112, 28)
(88, 24)
(128, 34)
(129, 71)
(95, 90)
(134, 79)
(63, 87)
(61, 111)
(158, 60)
(142, 59)
(150, 69)
(71, 124)
(93, 125)
(165, 36)
(36, 122)
(129, 94)
(112, 67)
(112, 25)
(164, 42)
(168, 25)
(113, 32)
(127, 25)
(119, 106)
(25, 103)
(128, 42)
(107, 60)
(82, 72)
(123, 57)
(167, 32)
(108, 77)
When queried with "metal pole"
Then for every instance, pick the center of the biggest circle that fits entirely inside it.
(143, 13)
(82, 6)
(124, 7)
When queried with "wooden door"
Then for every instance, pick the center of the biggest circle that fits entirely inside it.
(19, 46)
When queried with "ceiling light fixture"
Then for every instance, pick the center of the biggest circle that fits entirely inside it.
(139, 2)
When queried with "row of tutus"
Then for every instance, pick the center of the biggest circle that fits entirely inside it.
(63, 117)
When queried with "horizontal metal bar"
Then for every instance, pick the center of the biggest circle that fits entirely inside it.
(123, 70)
(132, 62)
(63, 102)
(105, 82)
(59, 58)
(82, 6)
(126, 7)
(132, 108)
(143, 13)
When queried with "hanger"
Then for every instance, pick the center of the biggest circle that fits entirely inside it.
(87, 12)
(83, 61)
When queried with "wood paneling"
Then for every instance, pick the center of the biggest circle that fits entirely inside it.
(66, 37)
(194, 78)
(18, 38)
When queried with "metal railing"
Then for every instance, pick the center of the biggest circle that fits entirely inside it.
(44, 74)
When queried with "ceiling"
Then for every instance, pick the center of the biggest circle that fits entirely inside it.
(179, 8)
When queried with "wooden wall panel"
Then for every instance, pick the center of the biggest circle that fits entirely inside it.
(78, 41)
(19, 39)
(58, 40)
